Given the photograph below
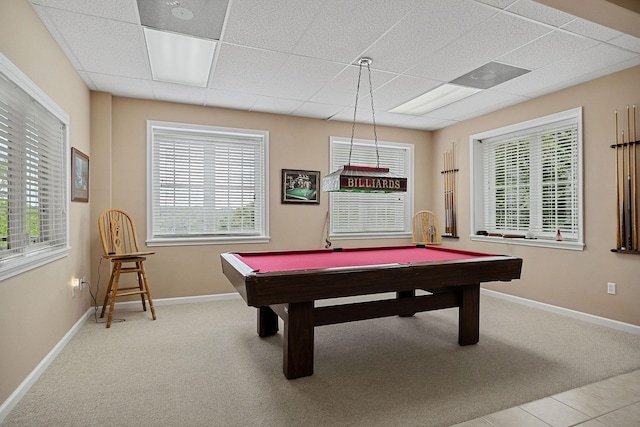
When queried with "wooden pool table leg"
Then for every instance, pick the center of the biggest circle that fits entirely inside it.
(298, 340)
(406, 294)
(469, 315)
(267, 322)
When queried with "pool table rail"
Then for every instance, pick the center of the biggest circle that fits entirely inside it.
(261, 289)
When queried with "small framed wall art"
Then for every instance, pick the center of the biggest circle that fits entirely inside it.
(300, 186)
(79, 176)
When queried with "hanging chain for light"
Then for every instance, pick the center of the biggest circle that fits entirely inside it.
(364, 61)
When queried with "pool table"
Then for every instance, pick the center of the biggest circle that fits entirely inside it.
(287, 284)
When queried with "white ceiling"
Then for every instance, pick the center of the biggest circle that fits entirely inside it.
(299, 57)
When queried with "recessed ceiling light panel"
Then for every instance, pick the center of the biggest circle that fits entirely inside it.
(434, 99)
(176, 58)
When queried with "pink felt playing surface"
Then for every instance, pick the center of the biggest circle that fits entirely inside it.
(349, 257)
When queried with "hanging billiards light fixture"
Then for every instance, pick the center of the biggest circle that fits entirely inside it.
(363, 179)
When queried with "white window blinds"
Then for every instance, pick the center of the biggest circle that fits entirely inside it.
(33, 171)
(374, 214)
(531, 182)
(206, 182)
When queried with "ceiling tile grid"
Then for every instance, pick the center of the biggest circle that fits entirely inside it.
(300, 57)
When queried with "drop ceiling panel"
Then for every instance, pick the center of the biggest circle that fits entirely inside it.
(494, 38)
(498, 3)
(346, 115)
(317, 110)
(549, 48)
(552, 77)
(341, 90)
(427, 123)
(103, 45)
(299, 78)
(591, 30)
(540, 13)
(275, 105)
(628, 42)
(246, 68)
(178, 93)
(117, 10)
(229, 99)
(121, 86)
(343, 30)
(275, 25)
(411, 40)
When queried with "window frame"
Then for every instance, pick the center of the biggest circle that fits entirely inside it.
(409, 195)
(476, 180)
(43, 254)
(262, 237)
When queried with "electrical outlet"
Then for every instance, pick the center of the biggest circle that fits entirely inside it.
(75, 286)
(611, 288)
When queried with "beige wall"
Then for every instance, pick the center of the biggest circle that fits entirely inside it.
(294, 143)
(570, 279)
(36, 307)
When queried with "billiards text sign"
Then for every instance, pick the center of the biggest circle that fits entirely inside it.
(352, 183)
(370, 179)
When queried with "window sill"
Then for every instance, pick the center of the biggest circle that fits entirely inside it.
(355, 236)
(542, 243)
(198, 241)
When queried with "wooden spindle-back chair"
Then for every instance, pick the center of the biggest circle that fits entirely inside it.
(120, 245)
(425, 228)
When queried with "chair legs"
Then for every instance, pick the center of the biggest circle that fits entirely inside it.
(112, 289)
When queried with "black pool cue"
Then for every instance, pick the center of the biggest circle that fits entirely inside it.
(453, 190)
(447, 205)
(630, 243)
(623, 217)
(634, 176)
(618, 243)
(444, 193)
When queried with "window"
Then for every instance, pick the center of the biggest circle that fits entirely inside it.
(372, 215)
(526, 180)
(33, 175)
(206, 184)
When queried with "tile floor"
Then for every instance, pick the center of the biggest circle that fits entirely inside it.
(614, 402)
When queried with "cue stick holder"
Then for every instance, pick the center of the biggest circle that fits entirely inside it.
(626, 168)
(450, 204)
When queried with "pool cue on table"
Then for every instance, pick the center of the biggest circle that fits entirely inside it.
(618, 244)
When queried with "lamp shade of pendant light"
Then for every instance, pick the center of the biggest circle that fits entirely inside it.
(363, 179)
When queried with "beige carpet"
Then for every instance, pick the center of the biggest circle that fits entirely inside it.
(202, 364)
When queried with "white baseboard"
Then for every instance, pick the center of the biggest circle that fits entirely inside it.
(178, 300)
(602, 321)
(24, 387)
